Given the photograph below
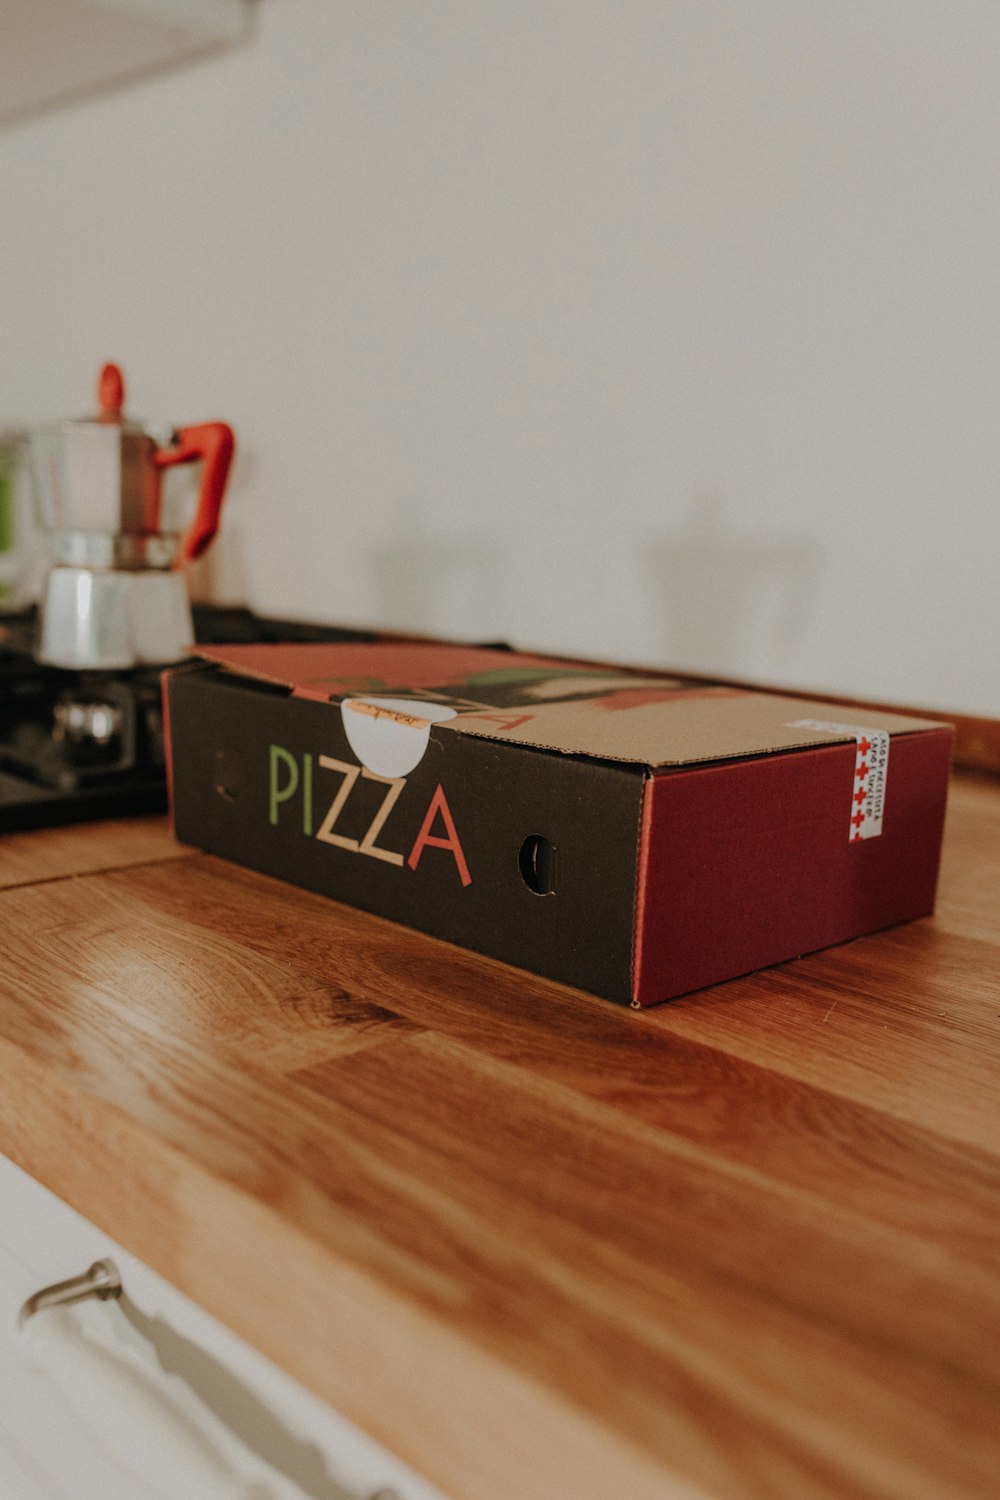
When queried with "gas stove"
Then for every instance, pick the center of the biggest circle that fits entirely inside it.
(76, 746)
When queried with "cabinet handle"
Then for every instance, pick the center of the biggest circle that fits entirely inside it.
(148, 1421)
(100, 1280)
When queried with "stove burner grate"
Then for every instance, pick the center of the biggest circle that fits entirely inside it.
(76, 746)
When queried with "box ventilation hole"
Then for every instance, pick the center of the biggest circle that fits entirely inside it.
(536, 861)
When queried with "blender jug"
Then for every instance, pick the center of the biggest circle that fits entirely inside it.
(115, 594)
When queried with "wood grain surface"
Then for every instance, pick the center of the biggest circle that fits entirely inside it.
(83, 847)
(742, 1246)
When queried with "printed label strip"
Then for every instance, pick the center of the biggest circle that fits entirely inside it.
(871, 771)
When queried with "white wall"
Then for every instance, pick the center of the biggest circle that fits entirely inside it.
(660, 329)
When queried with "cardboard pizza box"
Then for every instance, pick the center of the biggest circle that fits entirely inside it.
(633, 834)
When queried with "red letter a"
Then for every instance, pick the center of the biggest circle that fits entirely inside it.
(439, 804)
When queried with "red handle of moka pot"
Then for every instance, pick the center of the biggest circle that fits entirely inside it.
(212, 442)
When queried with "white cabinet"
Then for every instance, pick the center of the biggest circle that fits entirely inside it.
(147, 1397)
(53, 51)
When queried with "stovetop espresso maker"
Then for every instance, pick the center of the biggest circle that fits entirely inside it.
(115, 593)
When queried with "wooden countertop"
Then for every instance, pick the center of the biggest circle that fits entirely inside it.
(745, 1245)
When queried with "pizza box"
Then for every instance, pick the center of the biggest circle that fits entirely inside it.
(631, 833)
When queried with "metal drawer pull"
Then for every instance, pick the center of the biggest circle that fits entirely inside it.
(101, 1280)
(149, 1420)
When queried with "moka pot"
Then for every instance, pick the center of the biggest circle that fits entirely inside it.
(115, 595)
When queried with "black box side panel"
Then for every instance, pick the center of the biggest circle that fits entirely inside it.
(248, 785)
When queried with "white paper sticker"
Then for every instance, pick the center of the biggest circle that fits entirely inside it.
(390, 735)
(871, 770)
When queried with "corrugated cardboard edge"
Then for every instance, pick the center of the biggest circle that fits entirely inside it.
(639, 906)
(780, 734)
(166, 677)
(976, 737)
(582, 727)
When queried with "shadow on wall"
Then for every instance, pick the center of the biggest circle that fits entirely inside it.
(726, 603)
(222, 574)
(431, 581)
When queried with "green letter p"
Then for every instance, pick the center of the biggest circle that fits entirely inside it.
(278, 794)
